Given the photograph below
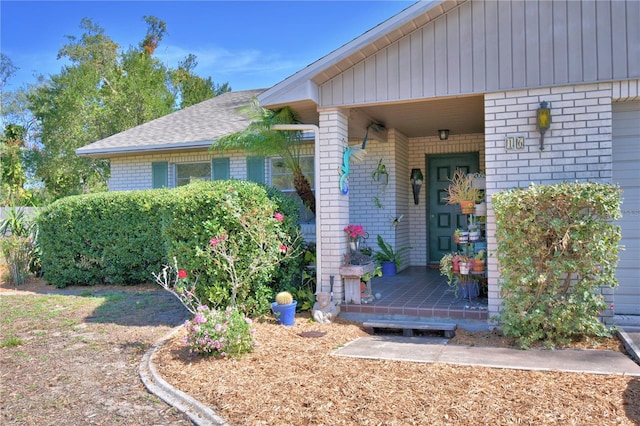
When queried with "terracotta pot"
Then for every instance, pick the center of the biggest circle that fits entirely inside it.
(455, 266)
(467, 207)
(478, 266)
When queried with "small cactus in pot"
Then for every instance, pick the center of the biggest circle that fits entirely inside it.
(284, 298)
(284, 308)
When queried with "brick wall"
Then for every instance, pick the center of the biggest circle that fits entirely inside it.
(134, 172)
(577, 147)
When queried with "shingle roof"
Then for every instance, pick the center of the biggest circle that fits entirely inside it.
(194, 127)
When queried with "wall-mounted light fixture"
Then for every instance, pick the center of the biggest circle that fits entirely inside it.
(416, 183)
(543, 121)
(443, 134)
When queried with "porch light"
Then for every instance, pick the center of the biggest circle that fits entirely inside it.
(443, 134)
(543, 121)
(416, 183)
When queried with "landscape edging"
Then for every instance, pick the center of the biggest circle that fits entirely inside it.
(199, 413)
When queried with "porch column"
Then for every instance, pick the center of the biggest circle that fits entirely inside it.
(335, 205)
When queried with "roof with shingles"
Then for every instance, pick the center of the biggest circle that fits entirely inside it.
(197, 126)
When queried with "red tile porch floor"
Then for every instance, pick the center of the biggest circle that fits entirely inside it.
(418, 292)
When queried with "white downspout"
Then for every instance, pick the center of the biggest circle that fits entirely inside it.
(316, 165)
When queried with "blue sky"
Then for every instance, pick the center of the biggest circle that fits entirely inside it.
(250, 44)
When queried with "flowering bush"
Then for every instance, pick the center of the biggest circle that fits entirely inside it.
(232, 235)
(219, 333)
(354, 231)
(175, 281)
(262, 234)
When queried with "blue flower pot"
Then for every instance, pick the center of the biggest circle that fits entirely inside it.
(285, 314)
(388, 269)
(469, 290)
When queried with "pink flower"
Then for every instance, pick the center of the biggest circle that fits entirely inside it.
(214, 241)
(283, 248)
(354, 231)
(278, 216)
(182, 274)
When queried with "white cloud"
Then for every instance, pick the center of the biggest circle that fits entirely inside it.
(223, 64)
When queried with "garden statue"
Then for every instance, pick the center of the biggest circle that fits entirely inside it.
(324, 310)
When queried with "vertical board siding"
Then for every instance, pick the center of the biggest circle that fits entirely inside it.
(487, 46)
(633, 33)
(466, 51)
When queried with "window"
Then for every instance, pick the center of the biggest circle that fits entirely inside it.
(191, 172)
(282, 178)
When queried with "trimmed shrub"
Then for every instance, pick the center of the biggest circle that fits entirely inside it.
(556, 247)
(109, 237)
(125, 237)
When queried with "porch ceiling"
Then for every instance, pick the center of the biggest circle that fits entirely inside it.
(461, 115)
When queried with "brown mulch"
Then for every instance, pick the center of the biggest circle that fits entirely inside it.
(292, 378)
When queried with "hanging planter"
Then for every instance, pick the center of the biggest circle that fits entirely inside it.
(468, 207)
(465, 267)
(461, 191)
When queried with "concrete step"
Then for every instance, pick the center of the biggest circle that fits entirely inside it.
(408, 327)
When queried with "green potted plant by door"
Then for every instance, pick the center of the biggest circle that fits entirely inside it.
(284, 308)
(461, 191)
(388, 258)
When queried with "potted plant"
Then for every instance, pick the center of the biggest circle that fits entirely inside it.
(284, 308)
(380, 173)
(478, 262)
(389, 259)
(447, 263)
(355, 233)
(465, 265)
(377, 272)
(462, 191)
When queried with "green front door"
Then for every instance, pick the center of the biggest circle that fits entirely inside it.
(443, 219)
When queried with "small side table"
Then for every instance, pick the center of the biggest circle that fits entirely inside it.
(351, 276)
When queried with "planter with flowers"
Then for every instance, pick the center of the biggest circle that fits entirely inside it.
(356, 236)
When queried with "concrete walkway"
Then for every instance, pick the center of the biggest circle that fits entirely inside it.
(423, 349)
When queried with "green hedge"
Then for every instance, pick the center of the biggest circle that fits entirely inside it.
(557, 246)
(111, 237)
(125, 237)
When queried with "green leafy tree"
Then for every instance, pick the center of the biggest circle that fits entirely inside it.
(258, 138)
(103, 91)
(191, 88)
(12, 176)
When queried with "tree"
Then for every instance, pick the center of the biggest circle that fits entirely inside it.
(12, 176)
(102, 92)
(192, 88)
(258, 138)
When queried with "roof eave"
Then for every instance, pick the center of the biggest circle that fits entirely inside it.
(299, 84)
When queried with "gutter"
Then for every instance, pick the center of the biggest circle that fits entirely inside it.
(316, 164)
(100, 152)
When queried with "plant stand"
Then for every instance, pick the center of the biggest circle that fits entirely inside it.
(351, 277)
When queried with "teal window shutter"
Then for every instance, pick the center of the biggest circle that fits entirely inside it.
(159, 174)
(255, 169)
(220, 169)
